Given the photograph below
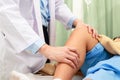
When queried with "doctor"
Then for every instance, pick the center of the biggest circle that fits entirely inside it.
(22, 34)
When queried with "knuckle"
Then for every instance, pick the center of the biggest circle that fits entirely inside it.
(74, 58)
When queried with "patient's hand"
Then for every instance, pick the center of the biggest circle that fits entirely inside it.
(111, 46)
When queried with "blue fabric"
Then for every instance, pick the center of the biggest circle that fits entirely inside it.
(35, 46)
(98, 53)
(105, 70)
(70, 23)
(45, 13)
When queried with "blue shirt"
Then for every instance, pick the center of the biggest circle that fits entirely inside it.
(45, 15)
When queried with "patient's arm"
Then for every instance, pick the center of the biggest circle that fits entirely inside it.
(83, 42)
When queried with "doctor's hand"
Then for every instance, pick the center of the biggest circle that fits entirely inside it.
(64, 54)
(91, 30)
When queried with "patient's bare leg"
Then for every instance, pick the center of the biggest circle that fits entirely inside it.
(83, 42)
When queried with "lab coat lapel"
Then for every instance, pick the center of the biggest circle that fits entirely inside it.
(38, 17)
(52, 28)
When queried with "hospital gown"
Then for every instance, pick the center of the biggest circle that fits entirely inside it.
(105, 70)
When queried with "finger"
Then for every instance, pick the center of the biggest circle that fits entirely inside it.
(75, 51)
(97, 35)
(73, 59)
(71, 56)
(69, 62)
(93, 33)
(74, 54)
(89, 29)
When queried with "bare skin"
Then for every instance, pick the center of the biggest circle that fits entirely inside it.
(83, 42)
(54, 53)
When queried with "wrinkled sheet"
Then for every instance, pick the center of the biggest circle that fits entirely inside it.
(105, 70)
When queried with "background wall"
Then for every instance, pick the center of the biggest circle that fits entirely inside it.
(61, 33)
(103, 15)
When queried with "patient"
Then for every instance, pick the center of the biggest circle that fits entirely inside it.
(91, 52)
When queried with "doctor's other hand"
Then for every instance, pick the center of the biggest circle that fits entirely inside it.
(64, 54)
(91, 30)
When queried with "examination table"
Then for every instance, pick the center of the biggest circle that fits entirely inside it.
(19, 76)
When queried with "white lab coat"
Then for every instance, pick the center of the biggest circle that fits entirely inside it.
(16, 28)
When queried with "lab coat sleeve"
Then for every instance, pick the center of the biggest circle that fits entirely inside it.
(63, 13)
(35, 46)
(18, 33)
